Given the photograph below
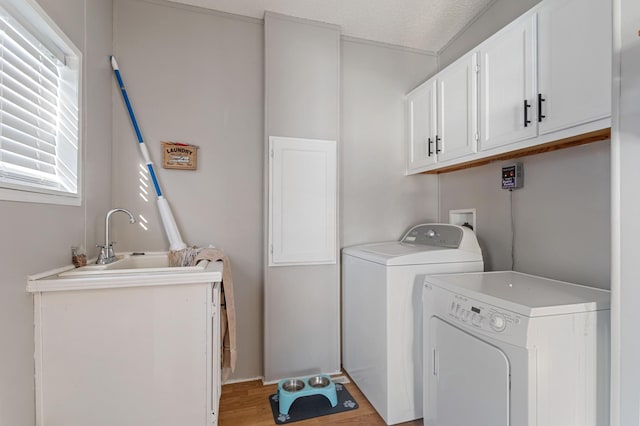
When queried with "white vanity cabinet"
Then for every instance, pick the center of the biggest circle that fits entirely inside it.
(443, 116)
(127, 349)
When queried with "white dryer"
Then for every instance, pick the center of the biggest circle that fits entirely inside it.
(382, 311)
(510, 349)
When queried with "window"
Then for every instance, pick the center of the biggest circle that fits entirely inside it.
(39, 107)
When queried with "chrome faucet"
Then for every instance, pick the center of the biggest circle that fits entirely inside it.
(106, 251)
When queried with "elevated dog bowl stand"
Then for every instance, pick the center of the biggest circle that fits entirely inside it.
(291, 389)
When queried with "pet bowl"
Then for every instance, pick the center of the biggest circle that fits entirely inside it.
(291, 389)
(318, 381)
(293, 385)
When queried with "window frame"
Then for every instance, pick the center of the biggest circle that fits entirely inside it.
(36, 21)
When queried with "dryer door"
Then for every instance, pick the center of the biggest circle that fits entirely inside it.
(469, 380)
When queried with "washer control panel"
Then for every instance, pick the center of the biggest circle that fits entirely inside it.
(482, 316)
(434, 234)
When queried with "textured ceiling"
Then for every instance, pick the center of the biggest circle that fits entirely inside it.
(421, 24)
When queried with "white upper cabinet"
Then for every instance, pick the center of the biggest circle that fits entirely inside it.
(507, 85)
(574, 79)
(443, 116)
(421, 126)
(457, 132)
(544, 79)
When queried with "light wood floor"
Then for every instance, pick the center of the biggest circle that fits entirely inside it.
(247, 403)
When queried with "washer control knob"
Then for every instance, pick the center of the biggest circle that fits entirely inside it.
(497, 322)
(476, 319)
(465, 315)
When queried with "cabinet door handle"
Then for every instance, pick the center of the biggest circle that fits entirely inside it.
(526, 113)
(540, 101)
(437, 146)
(429, 152)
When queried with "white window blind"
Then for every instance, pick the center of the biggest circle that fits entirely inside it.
(39, 121)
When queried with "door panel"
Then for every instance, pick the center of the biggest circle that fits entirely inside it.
(575, 62)
(302, 201)
(458, 109)
(421, 111)
(507, 76)
(469, 379)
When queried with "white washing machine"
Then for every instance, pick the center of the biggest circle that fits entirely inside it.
(510, 349)
(382, 311)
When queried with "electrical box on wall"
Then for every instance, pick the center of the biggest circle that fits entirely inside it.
(512, 176)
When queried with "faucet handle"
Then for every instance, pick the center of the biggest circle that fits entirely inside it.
(106, 254)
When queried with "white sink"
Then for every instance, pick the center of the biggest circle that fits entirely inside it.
(134, 263)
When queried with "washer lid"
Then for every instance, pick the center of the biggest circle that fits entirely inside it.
(394, 253)
(524, 294)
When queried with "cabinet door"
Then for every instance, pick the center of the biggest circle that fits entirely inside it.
(507, 81)
(574, 41)
(421, 126)
(457, 109)
(124, 356)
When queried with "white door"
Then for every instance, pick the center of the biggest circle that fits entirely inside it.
(421, 115)
(457, 109)
(469, 380)
(507, 85)
(574, 42)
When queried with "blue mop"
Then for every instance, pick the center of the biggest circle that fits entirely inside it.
(169, 223)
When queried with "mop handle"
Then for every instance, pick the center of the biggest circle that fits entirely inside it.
(141, 144)
(169, 223)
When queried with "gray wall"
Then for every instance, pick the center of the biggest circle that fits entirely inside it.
(38, 237)
(205, 86)
(625, 229)
(558, 216)
(378, 201)
(196, 76)
(302, 95)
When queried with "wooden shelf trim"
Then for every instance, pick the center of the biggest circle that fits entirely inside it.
(585, 138)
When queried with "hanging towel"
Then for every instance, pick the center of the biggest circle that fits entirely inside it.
(191, 256)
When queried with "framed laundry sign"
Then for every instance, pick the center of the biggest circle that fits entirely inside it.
(176, 155)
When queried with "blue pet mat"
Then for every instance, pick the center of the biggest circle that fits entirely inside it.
(307, 407)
